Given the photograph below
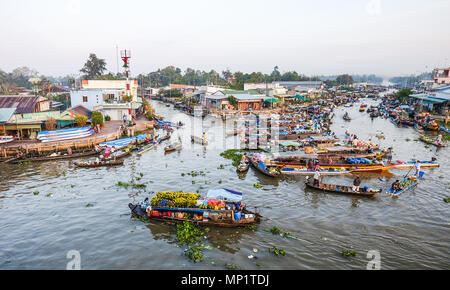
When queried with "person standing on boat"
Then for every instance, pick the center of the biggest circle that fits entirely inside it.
(316, 178)
(417, 168)
(204, 138)
(356, 184)
(439, 140)
(389, 155)
(107, 150)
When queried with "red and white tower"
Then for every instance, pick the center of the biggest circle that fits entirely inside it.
(126, 55)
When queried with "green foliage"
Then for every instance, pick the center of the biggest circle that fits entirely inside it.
(257, 185)
(277, 252)
(403, 95)
(107, 118)
(35, 192)
(233, 101)
(93, 67)
(97, 118)
(81, 120)
(348, 253)
(447, 199)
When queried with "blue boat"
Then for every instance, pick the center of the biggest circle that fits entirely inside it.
(393, 193)
(444, 129)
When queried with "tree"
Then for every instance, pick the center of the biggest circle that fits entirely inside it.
(344, 79)
(97, 118)
(275, 75)
(93, 67)
(233, 101)
(403, 95)
(50, 124)
(81, 120)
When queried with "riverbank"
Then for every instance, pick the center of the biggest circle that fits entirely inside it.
(111, 130)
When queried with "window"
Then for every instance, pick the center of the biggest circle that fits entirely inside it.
(85, 99)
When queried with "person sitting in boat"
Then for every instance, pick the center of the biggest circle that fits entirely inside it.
(356, 184)
(396, 186)
(69, 151)
(244, 158)
(97, 160)
(145, 204)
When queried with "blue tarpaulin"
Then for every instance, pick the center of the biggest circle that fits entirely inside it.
(225, 194)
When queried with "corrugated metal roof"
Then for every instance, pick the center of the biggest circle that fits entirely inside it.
(81, 110)
(5, 114)
(24, 104)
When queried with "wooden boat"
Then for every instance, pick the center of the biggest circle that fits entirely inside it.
(6, 139)
(431, 141)
(57, 157)
(243, 166)
(118, 155)
(173, 147)
(64, 134)
(272, 171)
(306, 171)
(423, 164)
(446, 130)
(409, 182)
(166, 137)
(100, 164)
(221, 216)
(198, 140)
(147, 148)
(343, 189)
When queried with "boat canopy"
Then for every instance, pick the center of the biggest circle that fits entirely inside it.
(225, 194)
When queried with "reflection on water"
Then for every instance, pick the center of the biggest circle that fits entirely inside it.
(411, 231)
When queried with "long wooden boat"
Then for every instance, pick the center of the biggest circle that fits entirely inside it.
(272, 173)
(57, 157)
(423, 164)
(6, 139)
(138, 211)
(374, 169)
(64, 134)
(147, 148)
(118, 155)
(100, 164)
(226, 210)
(305, 171)
(343, 189)
(430, 141)
(327, 165)
(411, 181)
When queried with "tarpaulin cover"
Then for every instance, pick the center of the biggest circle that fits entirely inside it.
(224, 194)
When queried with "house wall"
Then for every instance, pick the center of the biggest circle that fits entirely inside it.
(245, 105)
(94, 98)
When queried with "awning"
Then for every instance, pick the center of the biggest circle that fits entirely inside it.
(225, 194)
(271, 100)
(427, 98)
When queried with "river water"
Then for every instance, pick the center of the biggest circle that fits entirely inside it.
(409, 232)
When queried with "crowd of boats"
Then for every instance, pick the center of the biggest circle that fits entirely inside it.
(304, 146)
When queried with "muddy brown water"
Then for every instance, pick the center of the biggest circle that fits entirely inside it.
(410, 232)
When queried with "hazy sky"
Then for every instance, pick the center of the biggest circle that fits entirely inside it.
(387, 37)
